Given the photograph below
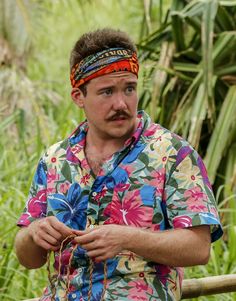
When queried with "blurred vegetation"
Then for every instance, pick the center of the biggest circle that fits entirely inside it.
(187, 83)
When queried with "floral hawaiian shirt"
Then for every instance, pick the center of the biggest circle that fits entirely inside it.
(157, 181)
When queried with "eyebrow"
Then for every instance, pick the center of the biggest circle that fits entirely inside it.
(131, 83)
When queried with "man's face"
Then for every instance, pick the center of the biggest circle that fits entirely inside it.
(110, 105)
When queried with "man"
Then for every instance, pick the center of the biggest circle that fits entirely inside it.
(122, 202)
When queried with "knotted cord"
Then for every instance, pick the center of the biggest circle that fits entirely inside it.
(55, 278)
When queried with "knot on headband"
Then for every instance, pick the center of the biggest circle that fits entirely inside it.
(104, 62)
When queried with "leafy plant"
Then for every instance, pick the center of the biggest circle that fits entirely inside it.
(190, 76)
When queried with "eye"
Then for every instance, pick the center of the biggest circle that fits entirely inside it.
(129, 89)
(107, 92)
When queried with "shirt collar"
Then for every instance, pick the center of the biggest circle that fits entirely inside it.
(78, 137)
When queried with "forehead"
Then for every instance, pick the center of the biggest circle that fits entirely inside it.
(113, 78)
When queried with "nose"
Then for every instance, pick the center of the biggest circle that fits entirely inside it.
(119, 102)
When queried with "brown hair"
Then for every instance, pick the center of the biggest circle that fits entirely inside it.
(98, 40)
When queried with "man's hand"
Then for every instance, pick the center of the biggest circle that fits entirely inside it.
(33, 242)
(103, 242)
(178, 247)
(48, 232)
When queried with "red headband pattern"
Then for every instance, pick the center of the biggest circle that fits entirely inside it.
(104, 62)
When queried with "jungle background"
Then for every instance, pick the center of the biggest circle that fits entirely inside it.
(187, 83)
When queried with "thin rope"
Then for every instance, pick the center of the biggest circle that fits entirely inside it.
(68, 271)
(90, 279)
(105, 281)
(60, 254)
(55, 278)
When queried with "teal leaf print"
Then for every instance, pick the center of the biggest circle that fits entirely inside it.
(66, 171)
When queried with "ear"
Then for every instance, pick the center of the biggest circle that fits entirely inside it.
(78, 97)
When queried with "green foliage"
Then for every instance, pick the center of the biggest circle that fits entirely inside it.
(190, 77)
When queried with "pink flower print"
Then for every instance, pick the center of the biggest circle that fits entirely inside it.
(151, 130)
(64, 187)
(76, 149)
(163, 273)
(158, 179)
(139, 291)
(84, 164)
(122, 187)
(64, 258)
(51, 188)
(24, 219)
(197, 206)
(128, 210)
(195, 199)
(85, 179)
(195, 194)
(129, 168)
(64, 261)
(52, 175)
(155, 227)
(182, 221)
(100, 195)
(36, 206)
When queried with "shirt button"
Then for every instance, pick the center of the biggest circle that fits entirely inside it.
(94, 193)
(74, 296)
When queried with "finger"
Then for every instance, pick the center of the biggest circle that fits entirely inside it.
(85, 239)
(82, 232)
(89, 246)
(60, 227)
(45, 231)
(49, 230)
(45, 241)
(47, 246)
(96, 253)
(51, 240)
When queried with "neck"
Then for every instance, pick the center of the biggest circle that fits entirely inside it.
(98, 152)
(103, 146)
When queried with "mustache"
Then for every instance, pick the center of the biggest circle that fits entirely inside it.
(119, 114)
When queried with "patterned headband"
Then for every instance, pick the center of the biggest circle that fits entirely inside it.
(104, 62)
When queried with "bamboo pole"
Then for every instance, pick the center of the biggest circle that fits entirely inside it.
(209, 286)
(203, 286)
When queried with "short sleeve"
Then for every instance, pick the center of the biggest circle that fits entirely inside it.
(36, 204)
(188, 195)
